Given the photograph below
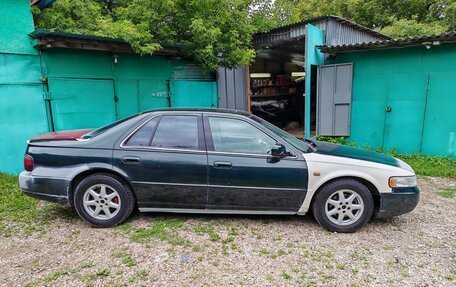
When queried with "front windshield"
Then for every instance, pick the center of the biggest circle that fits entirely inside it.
(294, 141)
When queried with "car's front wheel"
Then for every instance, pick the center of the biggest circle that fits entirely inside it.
(343, 205)
(103, 200)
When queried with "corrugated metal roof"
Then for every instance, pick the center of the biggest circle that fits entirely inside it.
(326, 17)
(447, 37)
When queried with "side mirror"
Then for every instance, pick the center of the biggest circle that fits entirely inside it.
(278, 151)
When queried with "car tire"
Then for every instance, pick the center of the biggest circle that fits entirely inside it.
(344, 205)
(104, 200)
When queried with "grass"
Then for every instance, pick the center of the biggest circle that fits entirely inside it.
(210, 229)
(426, 165)
(138, 274)
(56, 275)
(164, 228)
(19, 212)
(126, 258)
(449, 192)
(423, 165)
(15, 206)
(286, 275)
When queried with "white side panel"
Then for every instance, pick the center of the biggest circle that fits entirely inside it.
(331, 167)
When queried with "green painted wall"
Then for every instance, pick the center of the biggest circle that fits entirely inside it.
(314, 37)
(419, 85)
(16, 24)
(83, 88)
(22, 108)
(88, 89)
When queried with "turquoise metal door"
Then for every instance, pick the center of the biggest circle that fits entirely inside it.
(405, 106)
(439, 135)
(81, 103)
(193, 94)
(153, 94)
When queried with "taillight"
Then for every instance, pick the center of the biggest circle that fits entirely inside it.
(28, 163)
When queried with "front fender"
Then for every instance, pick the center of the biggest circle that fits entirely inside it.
(324, 168)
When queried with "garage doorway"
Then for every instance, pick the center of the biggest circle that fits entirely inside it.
(277, 80)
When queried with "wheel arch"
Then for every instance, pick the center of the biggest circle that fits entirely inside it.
(83, 174)
(371, 186)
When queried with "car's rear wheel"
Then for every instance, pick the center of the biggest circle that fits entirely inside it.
(343, 205)
(103, 200)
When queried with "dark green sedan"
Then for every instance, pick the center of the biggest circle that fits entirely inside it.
(213, 161)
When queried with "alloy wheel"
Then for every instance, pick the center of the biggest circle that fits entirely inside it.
(101, 201)
(344, 207)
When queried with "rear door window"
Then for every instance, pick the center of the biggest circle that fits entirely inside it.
(177, 132)
(172, 132)
(143, 137)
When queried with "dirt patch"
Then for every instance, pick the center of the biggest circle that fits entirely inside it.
(416, 249)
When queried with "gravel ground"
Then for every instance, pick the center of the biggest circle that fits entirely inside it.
(417, 249)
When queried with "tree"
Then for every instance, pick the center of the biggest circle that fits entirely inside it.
(394, 18)
(219, 32)
(411, 28)
(214, 32)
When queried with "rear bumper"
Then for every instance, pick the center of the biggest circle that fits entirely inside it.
(400, 201)
(45, 188)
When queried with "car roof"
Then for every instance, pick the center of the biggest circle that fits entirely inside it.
(206, 110)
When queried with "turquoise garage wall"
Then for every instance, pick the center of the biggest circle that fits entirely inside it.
(418, 85)
(88, 89)
(22, 108)
(59, 89)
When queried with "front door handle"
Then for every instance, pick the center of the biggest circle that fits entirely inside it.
(222, 164)
(131, 159)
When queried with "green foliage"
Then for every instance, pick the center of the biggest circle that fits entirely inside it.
(209, 229)
(336, 140)
(164, 229)
(268, 14)
(14, 206)
(214, 32)
(21, 213)
(390, 17)
(449, 192)
(219, 32)
(411, 28)
(430, 165)
(126, 258)
(103, 272)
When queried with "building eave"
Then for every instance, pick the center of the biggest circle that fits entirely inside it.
(447, 37)
(49, 39)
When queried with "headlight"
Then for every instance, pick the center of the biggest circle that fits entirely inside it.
(402, 181)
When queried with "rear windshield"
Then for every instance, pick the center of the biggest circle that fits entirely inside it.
(103, 129)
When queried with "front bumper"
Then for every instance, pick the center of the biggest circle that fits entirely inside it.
(46, 188)
(400, 201)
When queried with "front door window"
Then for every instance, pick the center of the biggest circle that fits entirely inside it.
(237, 136)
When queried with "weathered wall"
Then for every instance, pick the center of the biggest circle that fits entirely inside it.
(16, 23)
(88, 89)
(82, 88)
(419, 87)
(22, 109)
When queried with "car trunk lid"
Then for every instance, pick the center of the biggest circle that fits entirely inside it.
(70, 135)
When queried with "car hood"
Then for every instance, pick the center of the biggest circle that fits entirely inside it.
(63, 135)
(326, 148)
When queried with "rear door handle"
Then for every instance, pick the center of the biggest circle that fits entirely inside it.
(131, 159)
(222, 164)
